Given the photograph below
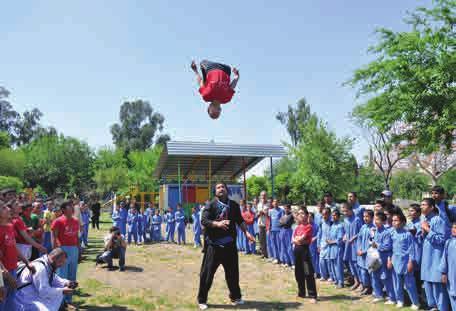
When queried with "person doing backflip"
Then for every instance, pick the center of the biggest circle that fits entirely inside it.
(215, 85)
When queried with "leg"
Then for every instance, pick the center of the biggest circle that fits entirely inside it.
(107, 258)
(10, 300)
(309, 273)
(441, 295)
(410, 286)
(299, 271)
(431, 301)
(129, 237)
(354, 270)
(398, 286)
(377, 284)
(339, 271)
(453, 302)
(388, 285)
(208, 268)
(122, 252)
(230, 262)
(262, 239)
(324, 269)
(98, 222)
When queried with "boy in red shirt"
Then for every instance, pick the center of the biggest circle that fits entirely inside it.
(215, 85)
(65, 231)
(304, 272)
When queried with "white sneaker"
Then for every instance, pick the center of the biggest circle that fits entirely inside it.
(238, 302)
(390, 302)
(292, 267)
(202, 306)
(376, 300)
(275, 261)
(414, 307)
(400, 305)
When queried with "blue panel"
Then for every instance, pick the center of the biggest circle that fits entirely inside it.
(235, 192)
(173, 196)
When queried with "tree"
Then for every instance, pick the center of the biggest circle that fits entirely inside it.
(143, 164)
(4, 140)
(138, 126)
(436, 164)
(410, 184)
(256, 184)
(110, 170)
(369, 184)
(283, 174)
(58, 163)
(448, 181)
(8, 115)
(413, 79)
(11, 182)
(27, 127)
(294, 119)
(12, 163)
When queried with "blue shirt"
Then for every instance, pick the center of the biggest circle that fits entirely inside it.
(358, 211)
(156, 222)
(448, 265)
(443, 214)
(123, 214)
(275, 214)
(141, 222)
(363, 243)
(403, 250)
(196, 222)
(352, 226)
(180, 219)
(115, 218)
(85, 217)
(382, 238)
(323, 236)
(433, 244)
(314, 244)
(417, 241)
(170, 218)
(132, 222)
(336, 234)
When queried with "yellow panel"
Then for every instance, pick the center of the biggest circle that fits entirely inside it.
(202, 194)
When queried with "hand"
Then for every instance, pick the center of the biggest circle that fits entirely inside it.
(410, 267)
(193, 66)
(236, 72)
(31, 267)
(73, 284)
(444, 278)
(2, 293)
(224, 224)
(359, 253)
(425, 226)
(68, 291)
(389, 265)
(250, 237)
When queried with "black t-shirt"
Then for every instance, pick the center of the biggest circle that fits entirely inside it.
(96, 209)
(217, 211)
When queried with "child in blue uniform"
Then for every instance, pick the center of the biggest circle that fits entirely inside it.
(132, 222)
(116, 217)
(196, 227)
(414, 227)
(286, 234)
(336, 249)
(149, 213)
(156, 226)
(275, 213)
(180, 223)
(352, 226)
(141, 226)
(170, 225)
(313, 245)
(382, 278)
(85, 219)
(448, 266)
(401, 262)
(434, 237)
(323, 247)
(362, 244)
(123, 212)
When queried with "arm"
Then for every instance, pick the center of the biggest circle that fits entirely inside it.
(41, 282)
(198, 77)
(55, 240)
(32, 242)
(386, 245)
(438, 234)
(235, 79)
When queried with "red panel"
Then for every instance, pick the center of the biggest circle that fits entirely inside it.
(189, 194)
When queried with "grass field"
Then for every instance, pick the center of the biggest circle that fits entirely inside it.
(165, 277)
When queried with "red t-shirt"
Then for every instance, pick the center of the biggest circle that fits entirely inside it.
(217, 87)
(8, 251)
(68, 230)
(249, 217)
(304, 230)
(19, 225)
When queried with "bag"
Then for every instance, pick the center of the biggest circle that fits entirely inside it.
(373, 260)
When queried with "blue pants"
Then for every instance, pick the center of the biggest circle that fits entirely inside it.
(250, 248)
(354, 269)
(170, 233)
(10, 302)
(133, 234)
(337, 266)
(453, 302)
(324, 268)
(436, 295)
(364, 276)
(255, 227)
(197, 237)
(47, 241)
(85, 234)
(408, 280)
(156, 235)
(181, 234)
(286, 249)
(140, 236)
(269, 244)
(378, 284)
(123, 227)
(70, 268)
(315, 258)
(275, 244)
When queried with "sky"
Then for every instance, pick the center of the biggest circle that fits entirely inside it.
(78, 61)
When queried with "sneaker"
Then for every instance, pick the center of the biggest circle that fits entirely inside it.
(237, 302)
(414, 307)
(313, 301)
(323, 280)
(292, 267)
(377, 300)
(390, 302)
(275, 261)
(400, 305)
(202, 306)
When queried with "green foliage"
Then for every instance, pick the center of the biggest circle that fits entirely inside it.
(256, 184)
(369, 184)
(143, 164)
(412, 81)
(4, 140)
(58, 163)
(12, 163)
(138, 126)
(11, 182)
(110, 170)
(410, 184)
(448, 181)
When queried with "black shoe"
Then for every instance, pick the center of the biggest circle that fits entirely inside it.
(112, 268)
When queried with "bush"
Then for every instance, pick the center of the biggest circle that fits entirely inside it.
(12, 163)
(11, 182)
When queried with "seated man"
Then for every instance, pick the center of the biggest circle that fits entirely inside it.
(115, 247)
(44, 289)
(215, 85)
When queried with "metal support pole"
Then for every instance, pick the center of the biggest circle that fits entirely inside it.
(245, 180)
(272, 179)
(179, 180)
(210, 178)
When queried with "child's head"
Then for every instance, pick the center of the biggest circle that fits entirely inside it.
(453, 229)
(389, 215)
(179, 207)
(157, 212)
(399, 220)
(379, 205)
(275, 203)
(214, 110)
(347, 209)
(335, 215)
(368, 216)
(380, 219)
(302, 216)
(427, 206)
(249, 206)
(4, 212)
(414, 211)
(326, 213)
(287, 208)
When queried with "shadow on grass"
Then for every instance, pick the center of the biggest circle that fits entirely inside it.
(110, 308)
(260, 305)
(338, 297)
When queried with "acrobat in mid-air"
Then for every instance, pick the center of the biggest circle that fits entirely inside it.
(215, 85)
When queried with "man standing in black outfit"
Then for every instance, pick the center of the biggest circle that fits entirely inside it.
(220, 218)
(96, 207)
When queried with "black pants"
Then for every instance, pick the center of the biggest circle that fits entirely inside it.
(207, 66)
(213, 257)
(262, 239)
(304, 272)
(96, 221)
